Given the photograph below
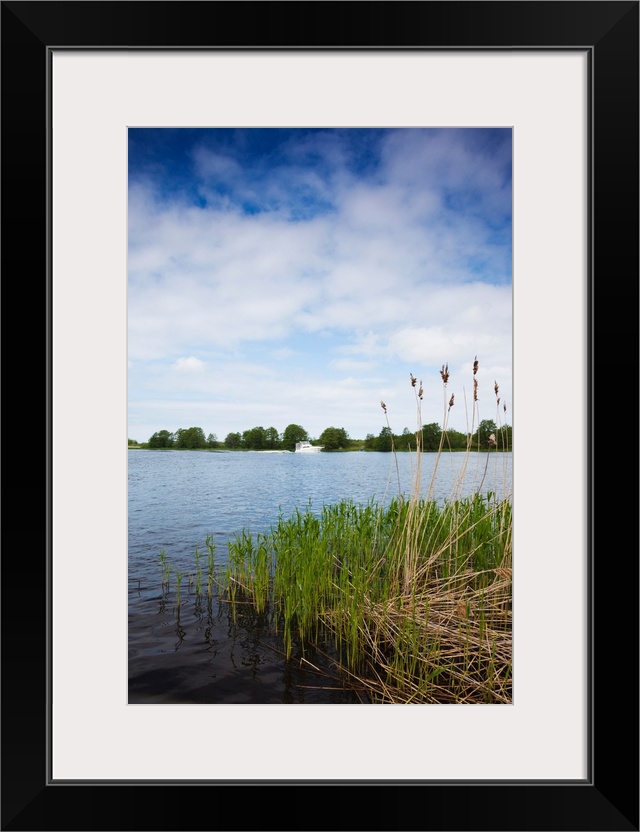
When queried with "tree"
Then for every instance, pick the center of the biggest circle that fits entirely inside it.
(455, 440)
(212, 441)
(333, 439)
(384, 442)
(505, 438)
(431, 436)
(190, 439)
(405, 441)
(233, 440)
(369, 442)
(485, 429)
(161, 439)
(272, 438)
(292, 434)
(255, 438)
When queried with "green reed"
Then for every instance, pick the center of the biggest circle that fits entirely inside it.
(179, 577)
(211, 564)
(198, 575)
(166, 570)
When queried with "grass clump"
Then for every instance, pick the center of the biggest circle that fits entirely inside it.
(411, 600)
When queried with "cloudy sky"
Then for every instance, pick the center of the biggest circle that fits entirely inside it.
(285, 275)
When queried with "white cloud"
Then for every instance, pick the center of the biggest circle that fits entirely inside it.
(189, 365)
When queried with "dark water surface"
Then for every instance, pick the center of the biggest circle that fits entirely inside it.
(196, 652)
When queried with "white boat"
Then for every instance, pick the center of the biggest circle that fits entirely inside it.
(308, 448)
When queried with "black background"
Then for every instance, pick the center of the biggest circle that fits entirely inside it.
(608, 800)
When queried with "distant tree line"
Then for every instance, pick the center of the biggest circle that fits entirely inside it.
(487, 435)
(189, 439)
(254, 439)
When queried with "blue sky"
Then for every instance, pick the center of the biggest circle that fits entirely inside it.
(301, 275)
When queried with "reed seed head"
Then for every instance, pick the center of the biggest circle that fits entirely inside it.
(413, 380)
(383, 406)
(492, 439)
(444, 372)
(475, 365)
(420, 391)
(475, 389)
(495, 387)
(453, 395)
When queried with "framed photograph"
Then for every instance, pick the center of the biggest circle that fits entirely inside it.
(561, 81)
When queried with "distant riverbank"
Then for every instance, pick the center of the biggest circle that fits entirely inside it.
(338, 451)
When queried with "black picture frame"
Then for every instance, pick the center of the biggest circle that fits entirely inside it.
(608, 798)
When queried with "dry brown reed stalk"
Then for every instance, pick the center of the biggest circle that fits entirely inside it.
(458, 629)
(393, 446)
(412, 523)
(413, 534)
(408, 543)
(475, 398)
(456, 645)
(501, 442)
(460, 648)
(444, 374)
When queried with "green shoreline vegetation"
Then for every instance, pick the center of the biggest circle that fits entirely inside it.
(408, 602)
(332, 439)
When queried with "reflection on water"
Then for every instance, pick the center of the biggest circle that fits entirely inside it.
(198, 653)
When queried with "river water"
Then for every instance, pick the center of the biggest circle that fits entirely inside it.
(196, 652)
